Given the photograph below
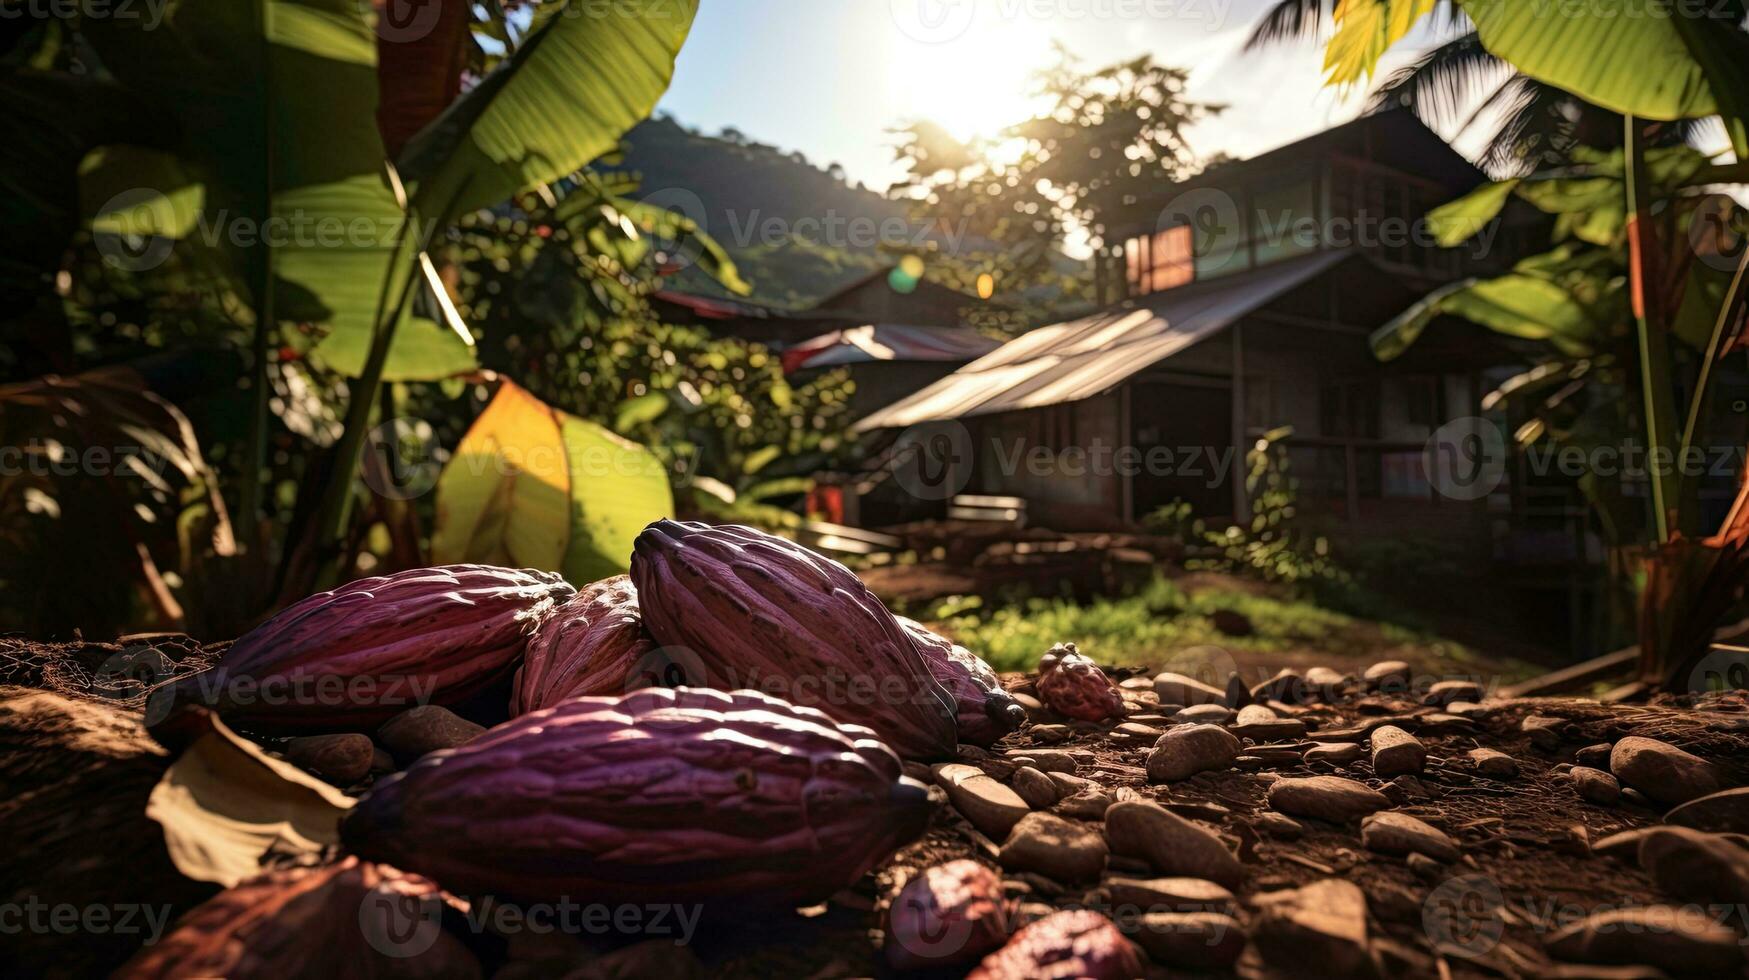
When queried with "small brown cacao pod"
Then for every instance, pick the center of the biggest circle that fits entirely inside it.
(688, 795)
(1075, 687)
(1074, 944)
(950, 913)
(761, 612)
(592, 645)
(350, 919)
(984, 711)
(355, 657)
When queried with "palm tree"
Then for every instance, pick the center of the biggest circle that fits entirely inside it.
(1539, 124)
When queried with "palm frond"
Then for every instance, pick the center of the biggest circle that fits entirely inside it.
(1290, 20)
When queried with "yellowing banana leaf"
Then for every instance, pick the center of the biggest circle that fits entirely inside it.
(1365, 29)
(224, 804)
(531, 486)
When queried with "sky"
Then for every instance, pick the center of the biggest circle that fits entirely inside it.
(830, 77)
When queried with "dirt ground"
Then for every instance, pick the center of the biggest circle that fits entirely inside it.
(1526, 866)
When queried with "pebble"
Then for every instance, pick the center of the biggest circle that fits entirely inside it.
(1049, 760)
(1089, 804)
(340, 759)
(1494, 764)
(1424, 867)
(990, 806)
(1596, 786)
(1131, 731)
(1287, 685)
(418, 731)
(1189, 749)
(1335, 753)
(1211, 714)
(1191, 940)
(1179, 689)
(1289, 754)
(1445, 692)
(1662, 771)
(1049, 734)
(1696, 865)
(1679, 940)
(1170, 895)
(1392, 676)
(1390, 832)
(1035, 708)
(1545, 732)
(1054, 847)
(1326, 683)
(1278, 825)
(1137, 684)
(1330, 798)
(1069, 785)
(1273, 730)
(1395, 752)
(1624, 846)
(1034, 787)
(1319, 928)
(1634, 797)
(381, 760)
(1595, 756)
(1723, 812)
(1170, 844)
(1253, 714)
(1238, 694)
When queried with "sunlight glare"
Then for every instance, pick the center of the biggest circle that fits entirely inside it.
(975, 85)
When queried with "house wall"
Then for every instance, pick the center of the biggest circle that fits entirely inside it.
(1051, 457)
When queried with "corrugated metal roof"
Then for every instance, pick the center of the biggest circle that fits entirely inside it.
(1067, 362)
(888, 342)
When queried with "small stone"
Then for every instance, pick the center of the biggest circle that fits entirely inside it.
(1278, 825)
(1068, 785)
(1169, 895)
(1035, 708)
(990, 806)
(428, 728)
(1390, 676)
(1445, 692)
(1424, 867)
(1287, 685)
(1545, 732)
(1179, 689)
(1191, 940)
(1189, 749)
(1254, 714)
(1320, 929)
(1398, 833)
(1679, 940)
(1273, 730)
(1723, 812)
(1596, 786)
(1330, 798)
(1494, 764)
(1089, 804)
(1696, 865)
(1335, 753)
(1662, 771)
(1410, 788)
(1624, 846)
(1136, 684)
(1170, 844)
(1049, 734)
(1034, 787)
(1395, 752)
(1595, 756)
(381, 760)
(1238, 694)
(1634, 797)
(1131, 731)
(1205, 714)
(1326, 683)
(1054, 847)
(340, 759)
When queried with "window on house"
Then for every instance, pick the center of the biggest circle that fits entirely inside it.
(1285, 220)
(1159, 261)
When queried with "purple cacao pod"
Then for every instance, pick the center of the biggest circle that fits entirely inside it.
(983, 710)
(951, 913)
(756, 611)
(1072, 944)
(355, 657)
(663, 795)
(592, 645)
(1074, 686)
(351, 919)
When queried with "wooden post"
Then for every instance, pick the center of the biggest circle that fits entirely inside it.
(1126, 437)
(1351, 481)
(1241, 499)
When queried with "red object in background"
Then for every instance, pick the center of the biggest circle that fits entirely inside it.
(828, 502)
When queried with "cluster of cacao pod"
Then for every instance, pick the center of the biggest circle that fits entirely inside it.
(701, 789)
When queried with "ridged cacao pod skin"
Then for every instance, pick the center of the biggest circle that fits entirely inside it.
(315, 922)
(363, 653)
(951, 913)
(590, 646)
(720, 798)
(1073, 944)
(983, 711)
(1075, 687)
(761, 612)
